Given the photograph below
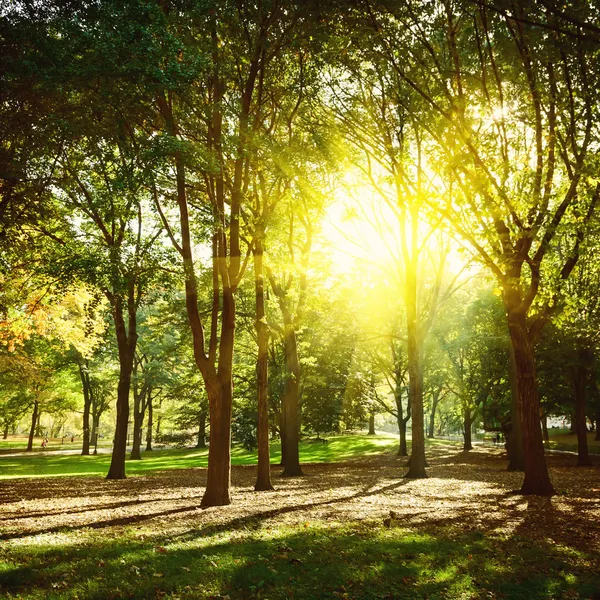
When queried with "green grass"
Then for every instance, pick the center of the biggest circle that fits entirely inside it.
(339, 448)
(310, 561)
(565, 440)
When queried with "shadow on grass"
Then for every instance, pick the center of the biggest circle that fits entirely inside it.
(358, 560)
(251, 521)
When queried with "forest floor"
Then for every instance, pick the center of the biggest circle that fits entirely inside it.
(349, 530)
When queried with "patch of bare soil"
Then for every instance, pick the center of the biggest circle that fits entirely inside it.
(464, 491)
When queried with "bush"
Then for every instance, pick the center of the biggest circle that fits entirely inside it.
(179, 439)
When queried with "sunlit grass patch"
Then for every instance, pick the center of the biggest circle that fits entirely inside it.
(352, 560)
(339, 448)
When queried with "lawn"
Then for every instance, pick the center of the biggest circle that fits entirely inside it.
(568, 441)
(339, 448)
(350, 530)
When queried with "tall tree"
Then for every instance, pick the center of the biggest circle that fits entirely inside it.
(514, 124)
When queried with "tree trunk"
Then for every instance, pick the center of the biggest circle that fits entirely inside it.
(290, 403)
(87, 403)
(5, 432)
(597, 437)
(94, 432)
(201, 442)
(149, 426)
(468, 423)
(434, 404)
(126, 342)
(158, 423)
(34, 420)
(38, 426)
(139, 412)
(402, 450)
(402, 420)
(514, 438)
(581, 377)
(371, 424)
(220, 399)
(537, 480)
(415, 379)
(282, 435)
(263, 475)
(138, 420)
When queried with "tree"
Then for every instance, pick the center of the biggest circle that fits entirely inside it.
(493, 85)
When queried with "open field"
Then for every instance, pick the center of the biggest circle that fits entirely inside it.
(459, 534)
(338, 448)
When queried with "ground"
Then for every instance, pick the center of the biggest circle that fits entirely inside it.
(350, 530)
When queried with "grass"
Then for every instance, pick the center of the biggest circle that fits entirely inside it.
(339, 448)
(304, 561)
(18, 443)
(565, 440)
(457, 535)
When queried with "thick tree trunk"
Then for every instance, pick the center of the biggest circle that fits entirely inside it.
(514, 438)
(402, 450)
(263, 474)
(126, 342)
(467, 424)
(87, 403)
(220, 399)
(5, 432)
(415, 380)
(34, 420)
(150, 425)
(371, 424)
(537, 480)
(290, 404)
(201, 441)
(580, 384)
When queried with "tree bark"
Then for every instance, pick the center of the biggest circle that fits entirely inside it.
(282, 432)
(220, 399)
(467, 424)
(415, 379)
(5, 432)
(580, 384)
(150, 425)
(138, 419)
(38, 426)
(371, 424)
(290, 402)
(434, 403)
(126, 342)
(34, 419)
(402, 450)
(87, 403)
(514, 438)
(263, 474)
(139, 412)
(537, 480)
